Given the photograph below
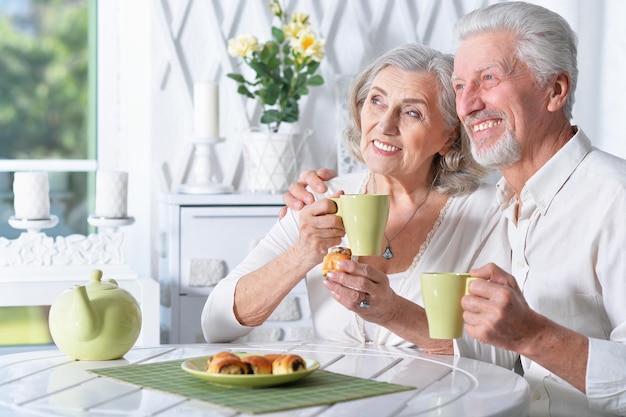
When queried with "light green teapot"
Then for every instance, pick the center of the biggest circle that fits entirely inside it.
(95, 321)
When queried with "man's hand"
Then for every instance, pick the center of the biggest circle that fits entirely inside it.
(497, 313)
(298, 196)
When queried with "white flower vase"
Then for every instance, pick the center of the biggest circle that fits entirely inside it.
(272, 159)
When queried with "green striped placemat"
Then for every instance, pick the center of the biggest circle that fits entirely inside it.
(321, 387)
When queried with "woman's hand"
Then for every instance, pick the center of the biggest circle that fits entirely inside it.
(359, 282)
(258, 293)
(320, 229)
(403, 317)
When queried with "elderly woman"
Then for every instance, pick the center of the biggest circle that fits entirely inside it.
(405, 130)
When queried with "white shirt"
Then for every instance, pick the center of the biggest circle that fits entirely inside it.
(468, 233)
(569, 259)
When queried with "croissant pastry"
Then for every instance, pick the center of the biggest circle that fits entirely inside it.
(272, 356)
(288, 364)
(231, 366)
(334, 255)
(258, 365)
(219, 355)
(223, 354)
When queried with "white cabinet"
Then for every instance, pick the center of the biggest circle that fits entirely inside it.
(204, 237)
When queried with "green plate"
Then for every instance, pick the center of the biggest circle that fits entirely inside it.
(196, 367)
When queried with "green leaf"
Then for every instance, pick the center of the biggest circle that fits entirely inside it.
(237, 77)
(273, 63)
(312, 67)
(315, 81)
(261, 69)
(300, 81)
(270, 94)
(244, 91)
(278, 34)
(291, 117)
(270, 116)
(288, 73)
(273, 48)
(264, 56)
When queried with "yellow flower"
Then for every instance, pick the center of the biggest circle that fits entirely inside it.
(243, 46)
(299, 17)
(292, 30)
(275, 8)
(285, 69)
(308, 45)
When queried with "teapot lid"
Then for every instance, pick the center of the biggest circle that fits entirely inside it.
(96, 283)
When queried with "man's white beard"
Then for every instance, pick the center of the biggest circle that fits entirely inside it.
(502, 154)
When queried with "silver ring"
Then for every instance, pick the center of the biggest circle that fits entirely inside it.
(365, 303)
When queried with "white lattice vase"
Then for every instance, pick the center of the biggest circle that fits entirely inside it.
(272, 160)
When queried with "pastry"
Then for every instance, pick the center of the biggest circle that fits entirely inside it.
(288, 364)
(259, 365)
(271, 363)
(219, 355)
(223, 354)
(334, 255)
(230, 366)
(272, 356)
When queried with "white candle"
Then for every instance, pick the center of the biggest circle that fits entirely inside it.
(111, 194)
(31, 195)
(206, 109)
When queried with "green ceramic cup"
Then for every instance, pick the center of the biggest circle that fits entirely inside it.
(442, 293)
(364, 218)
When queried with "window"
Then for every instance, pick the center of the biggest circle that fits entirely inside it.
(47, 105)
(47, 123)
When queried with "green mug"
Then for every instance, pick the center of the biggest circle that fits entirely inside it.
(442, 293)
(364, 217)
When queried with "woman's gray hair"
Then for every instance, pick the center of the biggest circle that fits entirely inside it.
(545, 41)
(455, 173)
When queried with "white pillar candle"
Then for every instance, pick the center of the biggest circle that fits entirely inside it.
(31, 195)
(206, 110)
(111, 194)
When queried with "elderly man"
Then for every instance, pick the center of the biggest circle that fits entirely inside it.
(563, 309)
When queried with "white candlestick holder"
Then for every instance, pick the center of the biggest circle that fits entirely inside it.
(33, 225)
(203, 173)
(109, 223)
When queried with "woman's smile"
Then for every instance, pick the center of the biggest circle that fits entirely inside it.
(384, 146)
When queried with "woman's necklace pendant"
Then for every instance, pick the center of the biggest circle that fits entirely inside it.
(387, 254)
